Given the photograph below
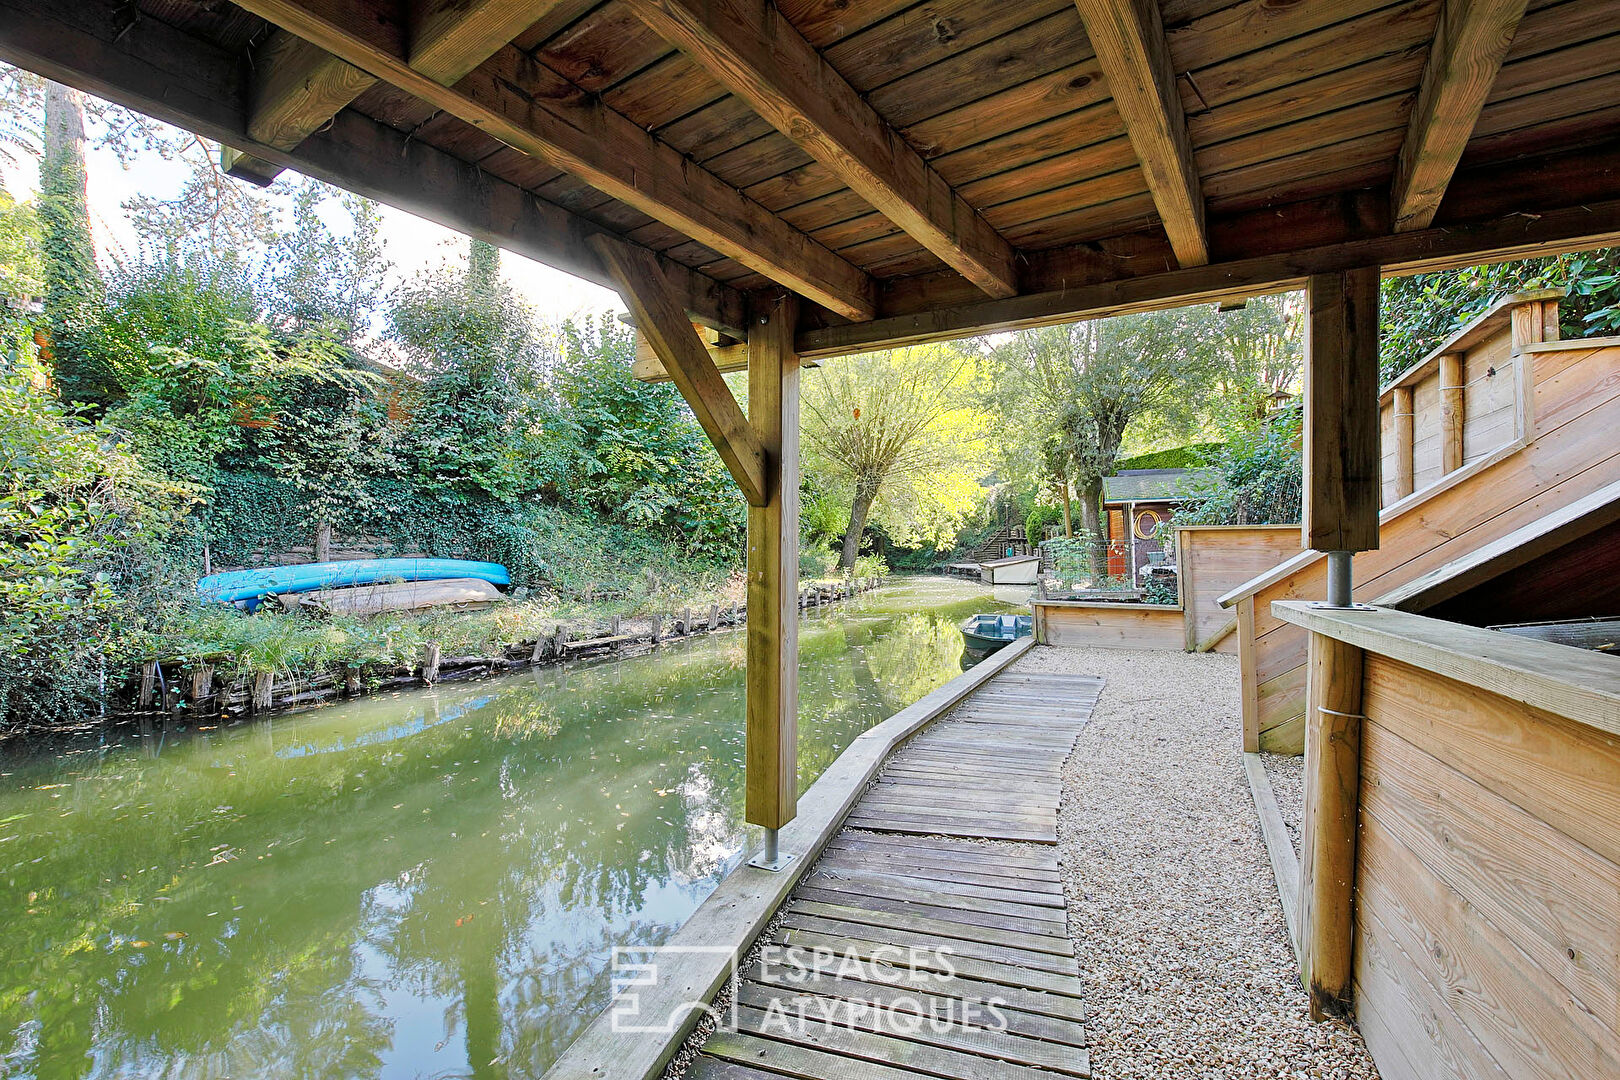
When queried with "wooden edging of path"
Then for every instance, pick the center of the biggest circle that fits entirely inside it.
(1280, 849)
(739, 909)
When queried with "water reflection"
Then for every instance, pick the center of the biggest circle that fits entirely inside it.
(419, 884)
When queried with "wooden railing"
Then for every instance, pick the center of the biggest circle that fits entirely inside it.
(1464, 400)
(1559, 447)
(1459, 880)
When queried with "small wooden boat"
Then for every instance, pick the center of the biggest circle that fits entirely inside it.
(987, 633)
(458, 594)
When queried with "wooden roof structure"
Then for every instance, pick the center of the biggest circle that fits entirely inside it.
(912, 169)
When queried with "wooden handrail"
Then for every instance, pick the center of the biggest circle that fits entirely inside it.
(1553, 678)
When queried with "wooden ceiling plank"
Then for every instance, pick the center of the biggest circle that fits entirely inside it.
(756, 53)
(1130, 45)
(300, 86)
(1470, 42)
(686, 358)
(580, 135)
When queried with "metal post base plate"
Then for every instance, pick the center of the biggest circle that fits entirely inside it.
(1323, 605)
(775, 866)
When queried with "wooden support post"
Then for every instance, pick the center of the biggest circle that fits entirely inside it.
(657, 629)
(1530, 323)
(1402, 407)
(1332, 795)
(613, 626)
(1248, 669)
(430, 663)
(149, 673)
(686, 620)
(202, 683)
(1452, 411)
(773, 571)
(1341, 411)
(714, 617)
(264, 687)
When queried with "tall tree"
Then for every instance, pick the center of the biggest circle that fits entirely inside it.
(1091, 381)
(900, 426)
(73, 287)
(322, 278)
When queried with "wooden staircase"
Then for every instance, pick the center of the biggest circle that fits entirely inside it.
(1500, 427)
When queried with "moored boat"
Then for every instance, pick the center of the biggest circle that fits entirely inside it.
(251, 586)
(987, 633)
(457, 594)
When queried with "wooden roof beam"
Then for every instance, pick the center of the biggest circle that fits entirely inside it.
(1470, 42)
(298, 86)
(752, 50)
(1128, 37)
(98, 51)
(575, 132)
(686, 358)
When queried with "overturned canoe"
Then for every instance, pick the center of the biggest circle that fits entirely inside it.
(459, 594)
(252, 585)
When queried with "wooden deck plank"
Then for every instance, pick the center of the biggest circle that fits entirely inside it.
(944, 861)
(923, 997)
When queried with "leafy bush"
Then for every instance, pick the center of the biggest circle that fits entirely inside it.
(82, 530)
(1261, 478)
(1179, 457)
(1157, 590)
(1039, 518)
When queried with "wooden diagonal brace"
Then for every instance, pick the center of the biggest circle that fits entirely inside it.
(666, 327)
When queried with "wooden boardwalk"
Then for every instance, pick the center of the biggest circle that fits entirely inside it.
(940, 901)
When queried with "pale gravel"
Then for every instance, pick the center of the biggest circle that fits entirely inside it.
(1287, 775)
(1172, 904)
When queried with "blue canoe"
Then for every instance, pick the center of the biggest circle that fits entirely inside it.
(254, 585)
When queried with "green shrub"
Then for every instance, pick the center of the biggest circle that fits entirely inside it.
(1039, 518)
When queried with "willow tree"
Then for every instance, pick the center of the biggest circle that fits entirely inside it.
(1078, 388)
(900, 429)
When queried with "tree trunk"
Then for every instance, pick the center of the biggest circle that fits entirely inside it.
(323, 541)
(857, 525)
(1068, 509)
(1095, 527)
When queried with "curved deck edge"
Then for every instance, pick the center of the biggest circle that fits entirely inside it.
(736, 912)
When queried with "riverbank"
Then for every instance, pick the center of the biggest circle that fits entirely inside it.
(252, 665)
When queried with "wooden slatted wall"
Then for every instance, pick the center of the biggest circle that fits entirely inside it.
(1487, 903)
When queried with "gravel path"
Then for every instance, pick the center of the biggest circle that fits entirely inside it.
(1172, 905)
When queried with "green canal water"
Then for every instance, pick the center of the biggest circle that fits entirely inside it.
(425, 884)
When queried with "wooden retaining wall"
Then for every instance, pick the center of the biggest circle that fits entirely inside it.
(166, 686)
(1211, 561)
(1565, 450)
(1481, 925)
(1109, 626)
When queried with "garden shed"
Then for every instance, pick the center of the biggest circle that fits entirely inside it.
(767, 183)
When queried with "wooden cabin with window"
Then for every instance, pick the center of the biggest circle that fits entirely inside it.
(806, 179)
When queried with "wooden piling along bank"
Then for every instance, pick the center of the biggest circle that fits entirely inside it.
(1460, 884)
(1539, 418)
(168, 687)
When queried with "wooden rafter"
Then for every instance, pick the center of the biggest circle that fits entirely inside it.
(1128, 36)
(1470, 41)
(101, 53)
(299, 86)
(580, 135)
(751, 49)
(660, 319)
